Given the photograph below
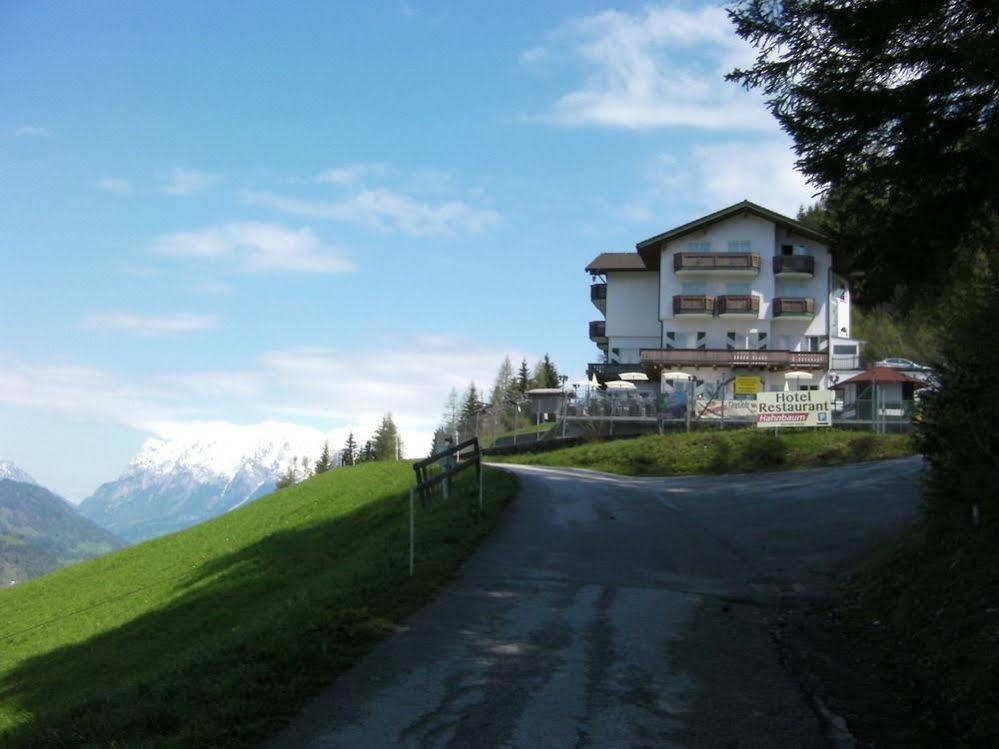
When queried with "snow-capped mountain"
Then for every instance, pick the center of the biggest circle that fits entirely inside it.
(196, 473)
(8, 470)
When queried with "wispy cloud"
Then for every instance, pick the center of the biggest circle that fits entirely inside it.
(149, 325)
(710, 176)
(32, 131)
(387, 210)
(350, 174)
(659, 67)
(182, 181)
(213, 288)
(321, 386)
(115, 184)
(257, 247)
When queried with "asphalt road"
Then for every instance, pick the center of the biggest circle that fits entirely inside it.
(619, 612)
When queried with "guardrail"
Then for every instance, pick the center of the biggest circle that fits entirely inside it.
(452, 461)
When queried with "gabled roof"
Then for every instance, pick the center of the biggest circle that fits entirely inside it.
(649, 248)
(607, 261)
(879, 375)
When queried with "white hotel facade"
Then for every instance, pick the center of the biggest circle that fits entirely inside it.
(743, 290)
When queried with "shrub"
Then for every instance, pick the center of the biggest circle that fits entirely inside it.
(764, 449)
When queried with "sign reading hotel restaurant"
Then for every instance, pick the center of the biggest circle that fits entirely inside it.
(802, 408)
(748, 385)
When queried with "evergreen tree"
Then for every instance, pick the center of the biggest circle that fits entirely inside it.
(892, 108)
(523, 377)
(452, 413)
(367, 453)
(545, 374)
(349, 452)
(471, 405)
(503, 389)
(306, 471)
(440, 435)
(325, 461)
(289, 477)
(387, 444)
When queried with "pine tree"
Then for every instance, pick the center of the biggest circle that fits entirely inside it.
(523, 377)
(387, 444)
(325, 461)
(548, 374)
(306, 471)
(440, 436)
(503, 388)
(349, 452)
(367, 453)
(288, 478)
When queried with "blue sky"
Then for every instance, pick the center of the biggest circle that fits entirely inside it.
(218, 213)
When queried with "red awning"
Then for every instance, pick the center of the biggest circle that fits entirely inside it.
(879, 375)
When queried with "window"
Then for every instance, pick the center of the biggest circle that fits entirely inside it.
(693, 288)
(741, 289)
(702, 246)
(817, 343)
(799, 250)
(786, 249)
(843, 349)
(739, 245)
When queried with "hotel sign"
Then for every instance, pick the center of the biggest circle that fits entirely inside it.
(804, 408)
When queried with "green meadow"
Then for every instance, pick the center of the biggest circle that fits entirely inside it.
(214, 636)
(737, 451)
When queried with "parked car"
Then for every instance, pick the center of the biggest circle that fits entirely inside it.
(898, 363)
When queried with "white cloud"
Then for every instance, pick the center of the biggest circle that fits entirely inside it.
(660, 67)
(32, 130)
(387, 210)
(182, 181)
(150, 325)
(115, 184)
(257, 247)
(335, 390)
(213, 287)
(707, 177)
(533, 55)
(350, 174)
(763, 172)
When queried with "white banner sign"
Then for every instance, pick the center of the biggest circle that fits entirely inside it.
(802, 408)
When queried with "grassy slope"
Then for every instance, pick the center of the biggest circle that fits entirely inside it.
(718, 452)
(533, 429)
(213, 635)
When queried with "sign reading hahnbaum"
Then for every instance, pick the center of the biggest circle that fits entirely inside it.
(803, 408)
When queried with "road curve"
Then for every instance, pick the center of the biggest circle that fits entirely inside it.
(609, 611)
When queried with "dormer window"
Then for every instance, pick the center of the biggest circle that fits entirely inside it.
(702, 246)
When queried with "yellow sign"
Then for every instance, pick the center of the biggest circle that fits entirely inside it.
(748, 385)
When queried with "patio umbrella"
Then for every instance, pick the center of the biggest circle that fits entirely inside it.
(675, 376)
(634, 376)
(594, 382)
(797, 375)
(620, 385)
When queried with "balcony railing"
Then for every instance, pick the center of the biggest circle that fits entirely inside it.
(743, 262)
(734, 358)
(799, 265)
(693, 304)
(738, 304)
(598, 330)
(786, 306)
(598, 295)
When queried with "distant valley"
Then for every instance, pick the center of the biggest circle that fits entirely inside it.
(40, 532)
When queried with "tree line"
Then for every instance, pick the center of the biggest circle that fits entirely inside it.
(503, 408)
(384, 444)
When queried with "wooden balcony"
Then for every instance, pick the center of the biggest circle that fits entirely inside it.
(721, 263)
(746, 305)
(694, 305)
(598, 331)
(674, 358)
(786, 306)
(794, 266)
(598, 295)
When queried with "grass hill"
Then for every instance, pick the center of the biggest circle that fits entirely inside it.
(40, 532)
(722, 452)
(215, 635)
